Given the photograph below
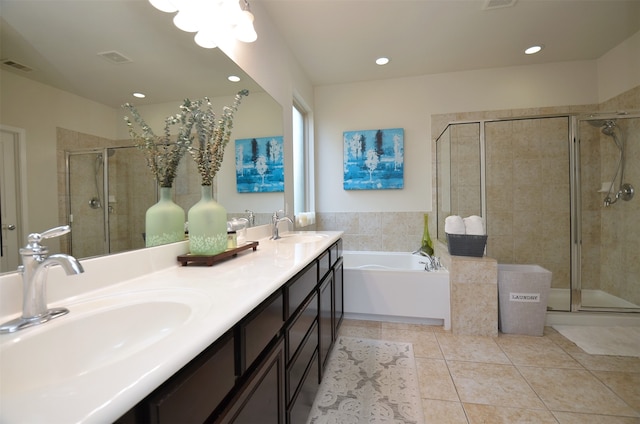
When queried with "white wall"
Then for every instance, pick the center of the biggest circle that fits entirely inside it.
(409, 103)
(36, 108)
(619, 68)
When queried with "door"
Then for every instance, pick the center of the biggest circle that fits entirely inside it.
(10, 222)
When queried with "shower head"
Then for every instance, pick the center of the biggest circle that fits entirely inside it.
(608, 126)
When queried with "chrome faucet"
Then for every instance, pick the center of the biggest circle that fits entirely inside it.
(251, 217)
(34, 268)
(275, 220)
(431, 263)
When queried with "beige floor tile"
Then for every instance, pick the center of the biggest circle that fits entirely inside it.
(435, 380)
(575, 391)
(471, 348)
(441, 412)
(484, 414)
(608, 363)
(492, 384)
(536, 352)
(574, 418)
(357, 328)
(424, 343)
(624, 384)
(566, 344)
(406, 326)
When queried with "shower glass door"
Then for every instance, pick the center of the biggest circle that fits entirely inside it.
(108, 193)
(86, 200)
(609, 167)
(528, 197)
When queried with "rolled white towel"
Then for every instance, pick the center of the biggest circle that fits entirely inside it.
(454, 225)
(474, 225)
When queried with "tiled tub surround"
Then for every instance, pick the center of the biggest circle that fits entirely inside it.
(377, 231)
(233, 288)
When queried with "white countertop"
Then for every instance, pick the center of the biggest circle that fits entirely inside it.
(219, 296)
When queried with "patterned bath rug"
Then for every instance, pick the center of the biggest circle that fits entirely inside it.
(369, 382)
(617, 341)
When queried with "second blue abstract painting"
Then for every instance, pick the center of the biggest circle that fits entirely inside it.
(374, 159)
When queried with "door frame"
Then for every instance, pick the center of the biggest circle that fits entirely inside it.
(19, 136)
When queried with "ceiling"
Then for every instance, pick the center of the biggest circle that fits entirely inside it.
(59, 40)
(335, 41)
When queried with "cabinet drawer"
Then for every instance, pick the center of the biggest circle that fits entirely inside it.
(259, 328)
(196, 390)
(300, 288)
(324, 264)
(298, 367)
(300, 326)
(325, 322)
(298, 411)
(335, 253)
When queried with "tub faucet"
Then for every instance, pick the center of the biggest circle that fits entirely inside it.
(275, 220)
(431, 263)
(34, 269)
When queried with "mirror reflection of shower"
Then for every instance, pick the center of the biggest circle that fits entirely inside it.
(622, 190)
(98, 166)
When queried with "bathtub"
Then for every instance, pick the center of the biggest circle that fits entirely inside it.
(393, 286)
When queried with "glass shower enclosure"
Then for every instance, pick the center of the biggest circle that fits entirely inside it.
(542, 185)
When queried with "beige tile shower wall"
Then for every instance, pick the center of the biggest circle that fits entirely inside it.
(620, 226)
(465, 169)
(376, 231)
(528, 198)
(590, 158)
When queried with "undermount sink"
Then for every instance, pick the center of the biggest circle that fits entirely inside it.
(302, 237)
(95, 334)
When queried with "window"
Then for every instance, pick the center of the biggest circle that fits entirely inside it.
(302, 168)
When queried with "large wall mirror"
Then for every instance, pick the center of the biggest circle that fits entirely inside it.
(67, 68)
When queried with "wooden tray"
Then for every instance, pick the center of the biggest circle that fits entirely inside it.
(209, 260)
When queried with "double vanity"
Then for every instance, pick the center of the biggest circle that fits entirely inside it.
(147, 340)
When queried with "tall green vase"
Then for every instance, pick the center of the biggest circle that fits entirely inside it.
(427, 244)
(164, 221)
(207, 225)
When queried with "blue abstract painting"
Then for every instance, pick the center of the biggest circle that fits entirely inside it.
(259, 164)
(374, 159)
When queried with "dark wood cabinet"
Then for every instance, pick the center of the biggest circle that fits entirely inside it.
(267, 368)
(325, 317)
(260, 397)
(338, 295)
(258, 328)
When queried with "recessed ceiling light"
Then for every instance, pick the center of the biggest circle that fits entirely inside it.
(533, 49)
(139, 95)
(233, 78)
(382, 60)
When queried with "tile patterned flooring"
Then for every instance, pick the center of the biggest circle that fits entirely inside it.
(511, 378)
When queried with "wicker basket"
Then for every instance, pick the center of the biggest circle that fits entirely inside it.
(466, 245)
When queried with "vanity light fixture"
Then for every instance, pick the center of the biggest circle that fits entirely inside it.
(212, 21)
(233, 78)
(382, 61)
(533, 49)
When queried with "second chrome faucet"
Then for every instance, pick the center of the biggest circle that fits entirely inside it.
(277, 218)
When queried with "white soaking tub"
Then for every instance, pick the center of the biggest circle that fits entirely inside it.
(393, 286)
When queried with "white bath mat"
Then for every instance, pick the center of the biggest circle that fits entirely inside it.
(617, 341)
(369, 382)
